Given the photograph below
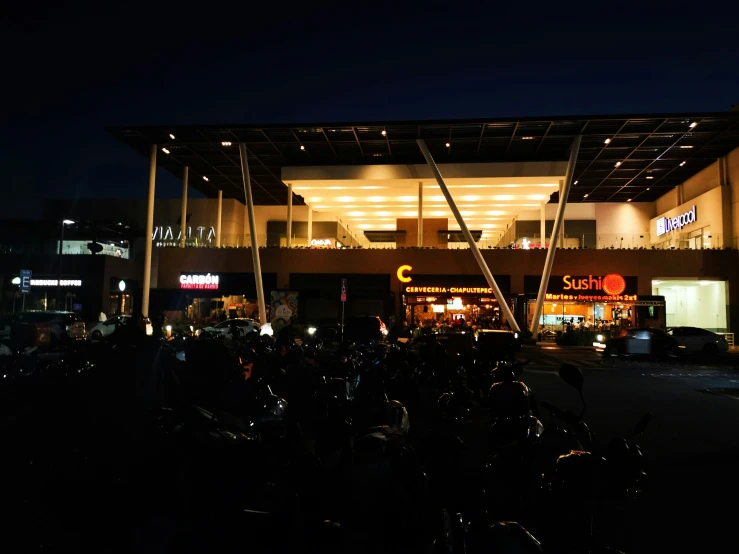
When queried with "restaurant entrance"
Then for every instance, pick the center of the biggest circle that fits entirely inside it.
(438, 299)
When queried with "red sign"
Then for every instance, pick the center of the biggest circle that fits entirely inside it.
(612, 284)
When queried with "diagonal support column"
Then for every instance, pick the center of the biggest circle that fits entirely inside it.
(252, 232)
(556, 232)
(467, 235)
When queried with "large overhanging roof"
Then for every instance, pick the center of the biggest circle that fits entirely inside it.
(622, 157)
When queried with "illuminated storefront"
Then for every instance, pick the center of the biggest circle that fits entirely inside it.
(452, 297)
(609, 300)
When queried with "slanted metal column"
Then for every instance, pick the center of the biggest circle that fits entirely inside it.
(420, 213)
(543, 224)
(558, 221)
(183, 217)
(310, 225)
(219, 218)
(252, 232)
(149, 232)
(289, 215)
(467, 235)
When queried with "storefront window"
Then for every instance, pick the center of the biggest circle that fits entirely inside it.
(694, 303)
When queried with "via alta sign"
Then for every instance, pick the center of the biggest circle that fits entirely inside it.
(165, 233)
(668, 224)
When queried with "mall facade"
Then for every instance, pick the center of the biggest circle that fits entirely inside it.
(649, 235)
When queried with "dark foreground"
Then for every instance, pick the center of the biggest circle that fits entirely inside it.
(119, 499)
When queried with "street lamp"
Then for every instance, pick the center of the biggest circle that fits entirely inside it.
(65, 222)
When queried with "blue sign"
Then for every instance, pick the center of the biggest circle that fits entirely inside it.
(76, 307)
(25, 281)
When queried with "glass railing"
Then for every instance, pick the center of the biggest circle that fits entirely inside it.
(593, 241)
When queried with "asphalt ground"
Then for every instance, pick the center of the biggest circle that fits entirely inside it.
(691, 445)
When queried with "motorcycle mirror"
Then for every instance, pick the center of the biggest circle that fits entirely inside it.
(572, 376)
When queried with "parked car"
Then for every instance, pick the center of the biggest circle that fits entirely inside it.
(364, 329)
(636, 341)
(63, 325)
(223, 329)
(108, 327)
(694, 339)
(5, 322)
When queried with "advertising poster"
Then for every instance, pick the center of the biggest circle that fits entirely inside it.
(283, 306)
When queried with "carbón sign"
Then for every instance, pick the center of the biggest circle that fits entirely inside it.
(199, 281)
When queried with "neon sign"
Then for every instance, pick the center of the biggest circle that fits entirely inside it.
(56, 283)
(612, 284)
(199, 281)
(402, 277)
(669, 224)
(450, 290)
(324, 243)
(592, 297)
(165, 233)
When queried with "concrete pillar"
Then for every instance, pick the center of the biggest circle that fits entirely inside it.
(183, 217)
(289, 215)
(420, 213)
(253, 232)
(556, 230)
(219, 219)
(149, 231)
(543, 229)
(310, 225)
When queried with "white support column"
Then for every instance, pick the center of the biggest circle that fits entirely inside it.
(219, 218)
(467, 235)
(289, 233)
(420, 213)
(543, 224)
(253, 233)
(183, 217)
(558, 221)
(149, 231)
(310, 224)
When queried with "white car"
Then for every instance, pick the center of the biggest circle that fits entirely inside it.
(107, 327)
(223, 329)
(694, 339)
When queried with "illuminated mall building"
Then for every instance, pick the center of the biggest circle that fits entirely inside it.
(649, 235)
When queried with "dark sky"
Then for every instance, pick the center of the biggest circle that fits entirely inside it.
(68, 71)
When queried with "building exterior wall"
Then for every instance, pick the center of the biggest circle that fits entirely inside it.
(647, 265)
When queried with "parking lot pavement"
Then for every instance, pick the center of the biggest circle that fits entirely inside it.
(551, 356)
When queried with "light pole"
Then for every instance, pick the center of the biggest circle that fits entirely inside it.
(65, 222)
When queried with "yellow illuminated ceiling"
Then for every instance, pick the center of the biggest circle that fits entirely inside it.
(373, 198)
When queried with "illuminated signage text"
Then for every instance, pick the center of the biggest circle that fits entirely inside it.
(668, 224)
(56, 283)
(199, 281)
(322, 243)
(449, 290)
(402, 277)
(593, 297)
(165, 233)
(612, 284)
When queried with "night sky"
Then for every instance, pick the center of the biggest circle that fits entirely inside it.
(69, 71)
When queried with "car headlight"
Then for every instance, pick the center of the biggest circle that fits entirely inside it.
(311, 330)
(266, 330)
(600, 338)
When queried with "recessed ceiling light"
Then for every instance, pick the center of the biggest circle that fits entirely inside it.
(225, 143)
(585, 196)
(692, 125)
(165, 150)
(171, 136)
(384, 133)
(205, 178)
(302, 147)
(682, 164)
(576, 182)
(607, 141)
(686, 146)
(448, 145)
(629, 200)
(527, 138)
(647, 188)
(650, 177)
(618, 164)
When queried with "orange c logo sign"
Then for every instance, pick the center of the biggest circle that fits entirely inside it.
(401, 274)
